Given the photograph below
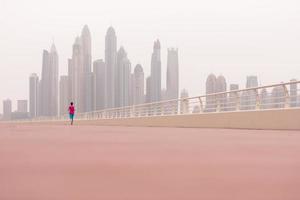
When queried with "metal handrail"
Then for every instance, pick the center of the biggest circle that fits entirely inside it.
(241, 99)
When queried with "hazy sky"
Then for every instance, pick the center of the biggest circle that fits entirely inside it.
(235, 38)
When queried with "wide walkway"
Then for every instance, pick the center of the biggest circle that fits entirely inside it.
(44, 162)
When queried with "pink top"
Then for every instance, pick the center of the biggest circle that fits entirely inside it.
(71, 110)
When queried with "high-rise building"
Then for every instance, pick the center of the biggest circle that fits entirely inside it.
(148, 89)
(156, 73)
(278, 97)
(264, 99)
(221, 98)
(119, 77)
(22, 106)
(86, 42)
(172, 74)
(248, 99)
(88, 77)
(76, 76)
(90, 92)
(49, 83)
(293, 93)
(33, 95)
(139, 88)
(252, 81)
(99, 72)
(211, 88)
(110, 63)
(234, 87)
(7, 108)
(63, 95)
(131, 89)
(125, 80)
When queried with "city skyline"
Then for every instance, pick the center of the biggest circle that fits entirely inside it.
(120, 82)
(215, 37)
(109, 83)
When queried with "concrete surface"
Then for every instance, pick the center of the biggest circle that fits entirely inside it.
(60, 162)
(278, 119)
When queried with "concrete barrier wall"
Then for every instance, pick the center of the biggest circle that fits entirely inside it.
(287, 119)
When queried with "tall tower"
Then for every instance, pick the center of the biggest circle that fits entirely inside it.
(138, 85)
(148, 89)
(77, 76)
(7, 108)
(172, 74)
(22, 106)
(88, 85)
(99, 72)
(110, 62)
(211, 88)
(33, 95)
(86, 49)
(63, 95)
(156, 73)
(125, 78)
(221, 87)
(49, 83)
(121, 56)
(248, 99)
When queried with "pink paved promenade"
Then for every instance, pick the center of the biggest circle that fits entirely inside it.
(44, 162)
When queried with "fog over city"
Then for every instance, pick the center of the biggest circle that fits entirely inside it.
(233, 38)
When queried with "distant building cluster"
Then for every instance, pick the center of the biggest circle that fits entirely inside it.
(106, 83)
(113, 82)
(247, 100)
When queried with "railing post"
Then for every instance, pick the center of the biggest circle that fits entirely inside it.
(201, 105)
(287, 97)
(237, 101)
(218, 105)
(257, 104)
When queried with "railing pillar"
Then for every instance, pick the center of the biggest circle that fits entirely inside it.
(258, 102)
(287, 97)
(218, 109)
(201, 105)
(237, 101)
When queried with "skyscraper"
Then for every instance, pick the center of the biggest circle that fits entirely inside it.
(172, 74)
(7, 108)
(125, 80)
(99, 72)
(76, 76)
(22, 106)
(33, 95)
(211, 88)
(110, 63)
(221, 87)
(278, 97)
(252, 81)
(156, 73)
(119, 77)
(264, 99)
(148, 89)
(248, 99)
(88, 77)
(49, 83)
(139, 88)
(86, 42)
(63, 95)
